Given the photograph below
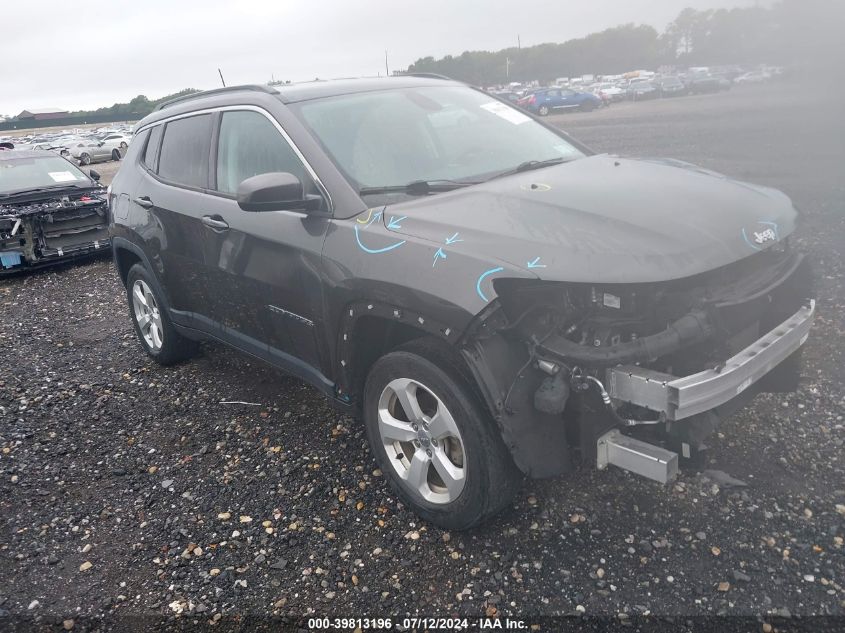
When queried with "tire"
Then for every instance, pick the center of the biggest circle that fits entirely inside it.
(84, 159)
(115, 154)
(156, 333)
(454, 434)
(543, 111)
(587, 106)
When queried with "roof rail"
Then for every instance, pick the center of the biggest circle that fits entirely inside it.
(205, 93)
(429, 76)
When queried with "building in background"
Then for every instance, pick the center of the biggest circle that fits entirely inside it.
(42, 114)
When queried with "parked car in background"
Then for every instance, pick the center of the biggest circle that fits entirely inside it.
(117, 141)
(642, 90)
(608, 91)
(670, 86)
(547, 100)
(753, 77)
(50, 211)
(708, 83)
(93, 151)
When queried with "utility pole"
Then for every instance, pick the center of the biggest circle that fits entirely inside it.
(518, 42)
(508, 68)
(219, 72)
(386, 67)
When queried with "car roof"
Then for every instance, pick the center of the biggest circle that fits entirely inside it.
(289, 93)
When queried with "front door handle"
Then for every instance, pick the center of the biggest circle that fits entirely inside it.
(215, 224)
(144, 201)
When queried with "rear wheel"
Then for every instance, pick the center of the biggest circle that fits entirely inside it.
(543, 111)
(152, 324)
(115, 154)
(434, 441)
(85, 159)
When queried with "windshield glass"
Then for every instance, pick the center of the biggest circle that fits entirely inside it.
(395, 137)
(17, 174)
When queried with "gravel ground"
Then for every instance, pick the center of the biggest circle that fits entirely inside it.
(130, 492)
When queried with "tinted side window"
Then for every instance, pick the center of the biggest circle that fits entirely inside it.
(183, 158)
(151, 150)
(250, 145)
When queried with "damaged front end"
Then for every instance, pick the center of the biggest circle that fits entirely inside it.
(589, 370)
(35, 233)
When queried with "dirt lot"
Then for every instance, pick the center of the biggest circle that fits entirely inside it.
(129, 492)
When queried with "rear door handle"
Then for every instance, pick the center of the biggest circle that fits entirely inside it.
(215, 224)
(143, 201)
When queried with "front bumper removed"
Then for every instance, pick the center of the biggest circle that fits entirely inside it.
(679, 397)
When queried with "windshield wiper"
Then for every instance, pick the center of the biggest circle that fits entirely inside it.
(528, 166)
(417, 187)
(26, 192)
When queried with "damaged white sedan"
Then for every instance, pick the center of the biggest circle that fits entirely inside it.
(50, 211)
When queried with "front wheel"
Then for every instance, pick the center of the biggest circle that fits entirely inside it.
(543, 111)
(85, 159)
(439, 448)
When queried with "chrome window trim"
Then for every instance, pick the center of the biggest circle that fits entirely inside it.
(230, 108)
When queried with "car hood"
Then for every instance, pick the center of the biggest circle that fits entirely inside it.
(602, 219)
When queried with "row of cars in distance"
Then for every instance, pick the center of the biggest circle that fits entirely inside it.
(590, 92)
(83, 146)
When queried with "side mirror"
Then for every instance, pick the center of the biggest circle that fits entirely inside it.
(276, 191)
(95, 176)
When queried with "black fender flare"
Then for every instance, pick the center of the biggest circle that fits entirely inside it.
(358, 309)
(121, 243)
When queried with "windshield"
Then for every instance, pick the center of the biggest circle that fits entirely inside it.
(453, 133)
(18, 174)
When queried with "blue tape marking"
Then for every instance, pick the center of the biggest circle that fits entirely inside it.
(438, 255)
(375, 251)
(492, 271)
(535, 264)
(453, 239)
(747, 241)
(394, 222)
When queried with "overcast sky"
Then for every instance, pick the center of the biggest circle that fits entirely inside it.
(81, 55)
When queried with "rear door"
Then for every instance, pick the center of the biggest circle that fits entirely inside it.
(171, 198)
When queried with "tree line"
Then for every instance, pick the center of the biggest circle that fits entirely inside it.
(803, 32)
(790, 32)
(137, 108)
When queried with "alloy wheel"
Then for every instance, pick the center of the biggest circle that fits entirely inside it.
(422, 440)
(147, 315)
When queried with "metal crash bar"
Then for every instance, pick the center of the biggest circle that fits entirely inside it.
(682, 397)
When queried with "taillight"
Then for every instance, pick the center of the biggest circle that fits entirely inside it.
(532, 100)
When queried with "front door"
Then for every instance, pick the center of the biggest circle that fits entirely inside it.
(264, 266)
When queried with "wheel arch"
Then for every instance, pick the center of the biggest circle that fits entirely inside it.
(126, 254)
(370, 329)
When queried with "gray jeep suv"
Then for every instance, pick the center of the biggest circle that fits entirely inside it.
(492, 298)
